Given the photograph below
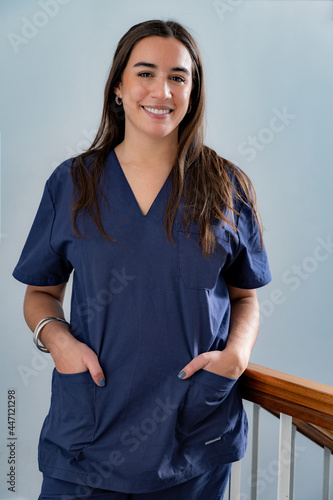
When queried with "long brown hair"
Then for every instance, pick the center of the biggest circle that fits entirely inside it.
(204, 179)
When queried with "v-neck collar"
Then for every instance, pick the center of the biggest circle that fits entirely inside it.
(156, 202)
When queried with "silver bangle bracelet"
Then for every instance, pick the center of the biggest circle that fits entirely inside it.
(39, 328)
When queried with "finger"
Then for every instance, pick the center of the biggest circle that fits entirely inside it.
(95, 370)
(97, 375)
(196, 364)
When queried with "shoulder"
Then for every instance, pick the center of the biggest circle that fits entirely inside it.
(61, 173)
(239, 186)
(233, 171)
(60, 184)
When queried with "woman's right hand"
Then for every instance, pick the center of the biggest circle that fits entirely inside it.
(69, 355)
(72, 356)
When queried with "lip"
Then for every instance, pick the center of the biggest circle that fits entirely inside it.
(157, 117)
(156, 107)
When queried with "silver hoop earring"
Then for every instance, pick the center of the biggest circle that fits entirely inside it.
(189, 109)
(118, 100)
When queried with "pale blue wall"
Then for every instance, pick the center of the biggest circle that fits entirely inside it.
(262, 59)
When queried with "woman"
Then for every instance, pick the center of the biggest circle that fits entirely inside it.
(164, 240)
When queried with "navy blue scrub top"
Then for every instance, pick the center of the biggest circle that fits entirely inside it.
(146, 307)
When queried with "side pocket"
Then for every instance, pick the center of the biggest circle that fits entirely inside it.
(210, 410)
(71, 420)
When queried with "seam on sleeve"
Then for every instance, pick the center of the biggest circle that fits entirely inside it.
(53, 221)
(237, 234)
(240, 213)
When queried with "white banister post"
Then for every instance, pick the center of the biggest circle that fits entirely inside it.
(327, 468)
(255, 452)
(284, 457)
(292, 463)
(234, 481)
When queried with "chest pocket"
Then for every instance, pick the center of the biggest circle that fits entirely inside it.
(195, 270)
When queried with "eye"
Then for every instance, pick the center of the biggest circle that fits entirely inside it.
(145, 74)
(179, 79)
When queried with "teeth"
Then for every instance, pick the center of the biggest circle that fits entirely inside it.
(158, 111)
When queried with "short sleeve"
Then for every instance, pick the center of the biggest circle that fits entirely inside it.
(39, 264)
(249, 266)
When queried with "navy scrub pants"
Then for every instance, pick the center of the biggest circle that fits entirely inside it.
(210, 485)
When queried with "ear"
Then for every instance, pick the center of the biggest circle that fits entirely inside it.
(117, 89)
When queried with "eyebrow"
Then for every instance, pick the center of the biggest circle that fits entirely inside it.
(150, 65)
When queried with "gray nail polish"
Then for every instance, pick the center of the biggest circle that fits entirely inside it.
(101, 382)
(182, 374)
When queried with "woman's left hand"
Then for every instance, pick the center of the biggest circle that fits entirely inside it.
(226, 363)
(244, 325)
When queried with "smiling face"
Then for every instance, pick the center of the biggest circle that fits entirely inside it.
(156, 87)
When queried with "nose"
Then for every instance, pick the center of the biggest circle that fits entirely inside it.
(161, 89)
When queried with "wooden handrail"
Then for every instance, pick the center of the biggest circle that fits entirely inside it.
(305, 400)
(320, 436)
